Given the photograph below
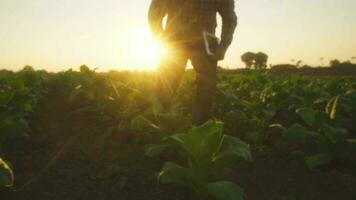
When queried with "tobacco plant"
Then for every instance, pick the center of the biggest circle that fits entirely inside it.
(324, 129)
(205, 149)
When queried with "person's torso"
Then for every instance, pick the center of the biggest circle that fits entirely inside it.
(187, 19)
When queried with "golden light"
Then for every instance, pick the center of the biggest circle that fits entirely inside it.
(143, 51)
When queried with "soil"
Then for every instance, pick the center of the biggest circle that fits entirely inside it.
(74, 158)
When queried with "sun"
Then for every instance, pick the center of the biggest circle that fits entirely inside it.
(144, 52)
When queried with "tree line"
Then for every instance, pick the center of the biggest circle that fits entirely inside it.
(259, 61)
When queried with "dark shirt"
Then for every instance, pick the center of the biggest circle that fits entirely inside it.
(187, 19)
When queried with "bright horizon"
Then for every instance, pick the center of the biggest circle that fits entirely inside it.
(114, 34)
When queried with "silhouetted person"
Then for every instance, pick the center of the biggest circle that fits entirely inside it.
(183, 33)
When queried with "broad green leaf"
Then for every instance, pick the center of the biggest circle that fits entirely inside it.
(298, 133)
(11, 127)
(268, 114)
(6, 174)
(321, 118)
(176, 139)
(236, 118)
(225, 190)
(153, 150)
(237, 115)
(318, 160)
(204, 141)
(214, 139)
(308, 115)
(232, 149)
(334, 135)
(172, 173)
(238, 147)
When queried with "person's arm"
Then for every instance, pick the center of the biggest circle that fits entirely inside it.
(229, 23)
(157, 11)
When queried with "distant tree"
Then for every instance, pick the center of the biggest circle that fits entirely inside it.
(28, 68)
(283, 68)
(248, 58)
(298, 63)
(261, 60)
(84, 69)
(306, 66)
(347, 62)
(334, 63)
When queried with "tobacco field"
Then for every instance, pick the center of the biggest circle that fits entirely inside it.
(91, 135)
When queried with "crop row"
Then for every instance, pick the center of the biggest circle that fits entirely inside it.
(313, 116)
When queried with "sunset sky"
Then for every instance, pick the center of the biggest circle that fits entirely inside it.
(114, 34)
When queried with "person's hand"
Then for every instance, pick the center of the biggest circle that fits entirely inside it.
(219, 53)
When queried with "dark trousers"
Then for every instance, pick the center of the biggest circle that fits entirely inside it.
(172, 69)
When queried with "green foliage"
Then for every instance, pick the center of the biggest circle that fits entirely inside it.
(318, 160)
(205, 149)
(225, 191)
(173, 173)
(250, 104)
(318, 111)
(6, 175)
(308, 115)
(19, 95)
(323, 130)
(319, 114)
(298, 133)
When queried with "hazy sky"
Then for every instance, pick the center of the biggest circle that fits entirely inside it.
(58, 34)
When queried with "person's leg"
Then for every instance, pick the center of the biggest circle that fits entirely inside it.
(170, 74)
(206, 78)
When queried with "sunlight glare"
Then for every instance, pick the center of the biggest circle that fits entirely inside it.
(144, 52)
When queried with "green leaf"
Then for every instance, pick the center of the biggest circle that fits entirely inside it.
(232, 149)
(352, 141)
(204, 141)
(298, 133)
(334, 135)
(225, 191)
(321, 118)
(11, 127)
(6, 174)
(268, 114)
(27, 107)
(331, 107)
(321, 100)
(237, 115)
(172, 173)
(278, 127)
(176, 139)
(308, 115)
(153, 150)
(318, 160)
